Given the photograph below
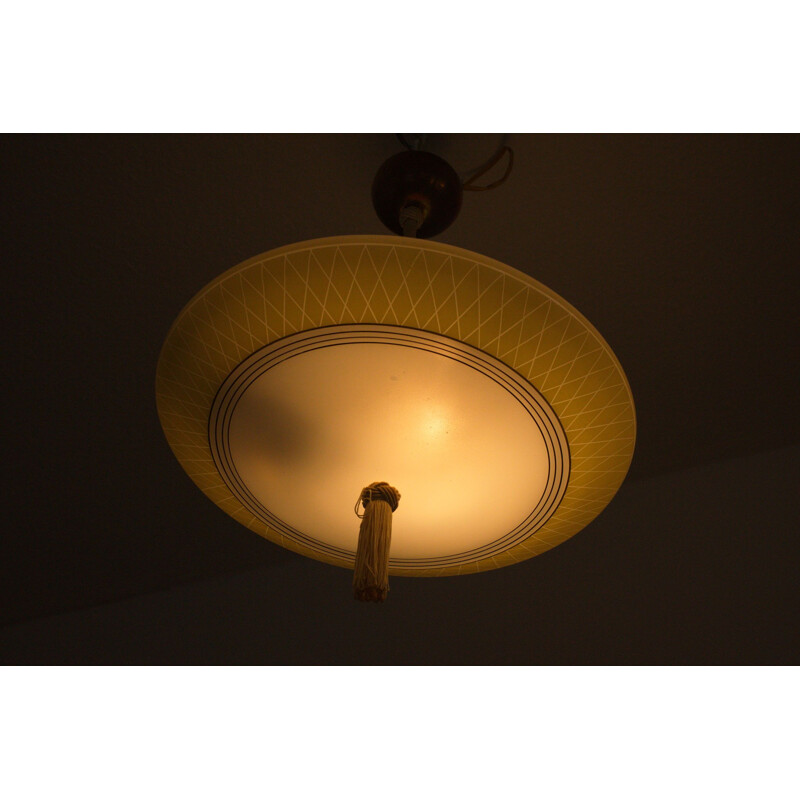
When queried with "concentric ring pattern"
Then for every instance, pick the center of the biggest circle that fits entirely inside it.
(418, 285)
(271, 356)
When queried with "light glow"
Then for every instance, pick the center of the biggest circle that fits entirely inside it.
(556, 362)
(469, 461)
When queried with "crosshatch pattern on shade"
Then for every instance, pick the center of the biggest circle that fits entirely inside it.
(417, 284)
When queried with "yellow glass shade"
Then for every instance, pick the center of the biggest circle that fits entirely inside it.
(300, 376)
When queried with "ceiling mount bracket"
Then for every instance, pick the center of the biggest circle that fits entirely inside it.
(416, 193)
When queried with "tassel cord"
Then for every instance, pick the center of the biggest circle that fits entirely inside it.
(371, 571)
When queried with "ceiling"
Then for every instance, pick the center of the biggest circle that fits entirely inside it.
(681, 250)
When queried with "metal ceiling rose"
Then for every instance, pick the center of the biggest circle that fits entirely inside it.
(418, 180)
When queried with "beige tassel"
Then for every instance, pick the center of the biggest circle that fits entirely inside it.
(371, 575)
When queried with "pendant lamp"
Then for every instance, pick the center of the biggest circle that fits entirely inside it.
(475, 417)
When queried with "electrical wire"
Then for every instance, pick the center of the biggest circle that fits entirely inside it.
(418, 144)
(403, 141)
(467, 186)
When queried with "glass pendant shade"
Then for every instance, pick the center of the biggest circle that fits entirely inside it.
(302, 375)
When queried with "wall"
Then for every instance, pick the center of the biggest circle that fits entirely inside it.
(692, 567)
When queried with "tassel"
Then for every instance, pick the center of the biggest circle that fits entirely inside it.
(371, 571)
